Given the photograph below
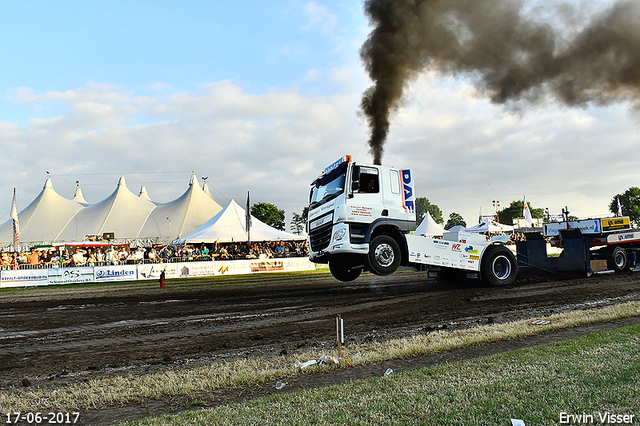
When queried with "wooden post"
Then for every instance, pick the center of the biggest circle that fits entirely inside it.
(340, 334)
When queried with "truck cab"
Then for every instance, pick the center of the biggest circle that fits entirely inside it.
(351, 205)
(362, 218)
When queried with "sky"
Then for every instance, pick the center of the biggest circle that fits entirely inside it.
(261, 97)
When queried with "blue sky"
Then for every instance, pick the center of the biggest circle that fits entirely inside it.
(260, 97)
(141, 46)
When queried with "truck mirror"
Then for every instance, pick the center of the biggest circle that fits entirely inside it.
(355, 176)
(355, 185)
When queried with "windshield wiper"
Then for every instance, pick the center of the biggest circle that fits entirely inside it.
(327, 197)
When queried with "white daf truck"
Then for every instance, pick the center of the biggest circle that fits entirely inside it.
(362, 218)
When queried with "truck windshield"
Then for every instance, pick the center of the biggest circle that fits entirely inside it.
(327, 187)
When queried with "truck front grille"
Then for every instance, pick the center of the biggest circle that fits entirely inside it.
(320, 238)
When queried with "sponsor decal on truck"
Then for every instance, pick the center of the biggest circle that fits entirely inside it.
(408, 201)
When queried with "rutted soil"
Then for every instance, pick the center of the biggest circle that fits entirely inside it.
(52, 339)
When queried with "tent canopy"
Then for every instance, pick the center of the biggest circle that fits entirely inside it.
(229, 226)
(488, 225)
(122, 213)
(429, 227)
(42, 220)
(180, 216)
(51, 218)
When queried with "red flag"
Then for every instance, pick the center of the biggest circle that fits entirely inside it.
(16, 226)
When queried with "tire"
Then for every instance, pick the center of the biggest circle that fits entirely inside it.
(618, 260)
(499, 266)
(343, 271)
(384, 255)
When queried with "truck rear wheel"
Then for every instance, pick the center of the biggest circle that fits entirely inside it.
(384, 255)
(618, 259)
(499, 266)
(343, 271)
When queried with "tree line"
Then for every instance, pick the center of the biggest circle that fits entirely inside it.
(275, 217)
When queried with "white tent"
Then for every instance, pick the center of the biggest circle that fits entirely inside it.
(42, 220)
(180, 216)
(122, 213)
(143, 193)
(51, 218)
(79, 196)
(229, 226)
(488, 225)
(429, 227)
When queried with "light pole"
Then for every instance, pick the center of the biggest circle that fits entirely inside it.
(496, 204)
(169, 219)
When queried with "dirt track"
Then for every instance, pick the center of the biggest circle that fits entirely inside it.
(51, 340)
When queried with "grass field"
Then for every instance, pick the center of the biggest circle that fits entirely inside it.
(595, 375)
(599, 372)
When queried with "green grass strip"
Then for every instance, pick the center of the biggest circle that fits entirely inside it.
(593, 375)
(101, 393)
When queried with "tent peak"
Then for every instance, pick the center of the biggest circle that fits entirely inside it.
(143, 192)
(47, 183)
(78, 195)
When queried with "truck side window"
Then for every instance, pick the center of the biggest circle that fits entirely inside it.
(369, 183)
(394, 178)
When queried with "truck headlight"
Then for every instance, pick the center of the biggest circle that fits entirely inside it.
(339, 234)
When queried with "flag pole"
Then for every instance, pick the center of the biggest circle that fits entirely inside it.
(247, 218)
(16, 226)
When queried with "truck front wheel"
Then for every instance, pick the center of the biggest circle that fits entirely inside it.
(499, 266)
(384, 255)
(343, 271)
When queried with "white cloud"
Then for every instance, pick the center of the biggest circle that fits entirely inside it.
(465, 152)
(312, 75)
(272, 144)
(320, 17)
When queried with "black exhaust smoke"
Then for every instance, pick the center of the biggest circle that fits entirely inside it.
(508, 54)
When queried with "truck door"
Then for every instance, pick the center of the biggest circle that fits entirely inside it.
(398, 195)
(366, 204)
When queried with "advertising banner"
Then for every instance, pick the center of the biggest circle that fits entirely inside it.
(298, 264)
(232, 267)
(70, 275)
(115, 273)
(271, 265)
(615, 224)
(196, 269)
(152, 271)
(587, 226)
(24, 277)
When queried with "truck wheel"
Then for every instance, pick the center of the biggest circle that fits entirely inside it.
(343, 271)
(384, 255)
(618, 259)
(499, 266)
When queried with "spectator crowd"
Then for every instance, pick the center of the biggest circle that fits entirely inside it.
(88, 255)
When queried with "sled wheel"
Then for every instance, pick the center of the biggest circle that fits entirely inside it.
(499, 266)
(618, 259)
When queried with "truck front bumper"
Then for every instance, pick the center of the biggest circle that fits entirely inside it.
(339, 244)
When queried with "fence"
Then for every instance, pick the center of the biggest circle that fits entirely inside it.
(37, 275)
